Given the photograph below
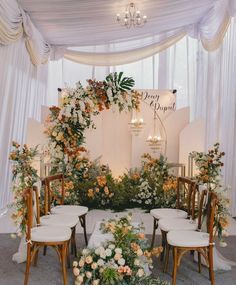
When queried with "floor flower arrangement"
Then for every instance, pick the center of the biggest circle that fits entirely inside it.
(147, 187)
(125, 260)
(209, 167)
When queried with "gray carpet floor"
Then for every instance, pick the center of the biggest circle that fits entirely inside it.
(48, 270)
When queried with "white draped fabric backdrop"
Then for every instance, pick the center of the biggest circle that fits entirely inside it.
(22, 92)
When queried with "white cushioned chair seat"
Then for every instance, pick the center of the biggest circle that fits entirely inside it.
(188, 238)
(59, 220)
(70, 210)
(50, 234)
(168, 213)
(174, 224)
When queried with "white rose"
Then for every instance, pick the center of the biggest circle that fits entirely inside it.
(96, 282)
(139, 252)
(85, 251)
(76, 271)
(88, 274)
(118, 250)
(103, 254)
(81, 262)
(108, 252)
(100, 262)
(140, 272)
(137, 262)
(121, 261)
(94, 265)
(111, 246)
(80, 278)
(75, 264)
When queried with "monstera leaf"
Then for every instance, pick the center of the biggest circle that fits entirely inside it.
(122, 83)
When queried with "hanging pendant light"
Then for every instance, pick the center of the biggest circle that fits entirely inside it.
(137, 123)
(157, 138)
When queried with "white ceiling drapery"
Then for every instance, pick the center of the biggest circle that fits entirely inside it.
(14, 23)
(70, 23)
(118, 58)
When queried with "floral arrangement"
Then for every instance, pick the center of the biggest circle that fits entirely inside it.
(66, 125)
(147, 187)
(124, 260)
(209, 167)
(24, 176)
(157, 188)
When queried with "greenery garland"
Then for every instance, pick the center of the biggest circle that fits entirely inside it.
(24, 177)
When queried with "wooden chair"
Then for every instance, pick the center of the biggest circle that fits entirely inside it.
(60, 220)
(51, 198)
(176, 224)
(202, 242)
(36, 237)
(162, 213)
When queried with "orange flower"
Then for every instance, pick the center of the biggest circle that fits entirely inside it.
(125, 270)
(147, 253)
(141, 235)
(135, 247)
(90, 193)
(101, 180)
(12, 155)
(224, 222)
(106, 190)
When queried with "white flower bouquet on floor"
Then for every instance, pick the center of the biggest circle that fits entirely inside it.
(122, 261)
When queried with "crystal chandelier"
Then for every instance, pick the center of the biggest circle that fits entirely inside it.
(132, 17)
(157, 139)
(136, 123)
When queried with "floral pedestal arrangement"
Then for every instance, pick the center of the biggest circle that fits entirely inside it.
(125, 259)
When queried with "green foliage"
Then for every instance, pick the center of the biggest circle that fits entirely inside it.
(24, 177)
(209, 167)
(110, 276)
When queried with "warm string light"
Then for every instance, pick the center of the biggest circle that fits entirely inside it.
(132, 17)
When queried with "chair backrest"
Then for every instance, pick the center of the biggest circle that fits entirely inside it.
(207, 208)
(37, 203)
(28, 194)
(49, 195)
(187, 197)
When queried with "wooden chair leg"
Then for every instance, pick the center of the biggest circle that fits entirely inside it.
(211, 269)
(166, 258)
(155, 226)
(28, 261)
(199, 262)
(36, 257)
(63, 262)
(175, 265)
(71, 244)
(83, 225)
(44, 250)
(163, 234)
(73, 241)
(68, 254)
